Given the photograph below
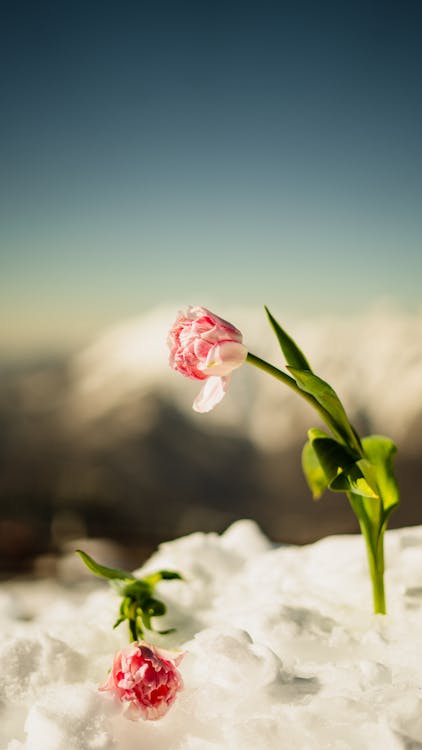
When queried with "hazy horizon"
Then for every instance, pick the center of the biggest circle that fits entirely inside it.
(32, 352)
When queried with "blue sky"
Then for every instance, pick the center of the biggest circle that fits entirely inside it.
(205, 153)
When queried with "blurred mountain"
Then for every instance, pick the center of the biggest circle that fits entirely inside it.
(106, 444)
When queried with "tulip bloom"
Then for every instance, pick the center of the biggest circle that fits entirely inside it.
(146, 679)
(208, 348)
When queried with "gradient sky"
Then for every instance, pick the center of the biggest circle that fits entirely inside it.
(205, 153)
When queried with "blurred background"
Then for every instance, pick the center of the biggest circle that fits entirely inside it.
(226, 155)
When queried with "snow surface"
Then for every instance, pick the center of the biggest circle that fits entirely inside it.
(282, 651)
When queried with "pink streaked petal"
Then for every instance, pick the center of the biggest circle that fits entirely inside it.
(211, 393)
(185, 336)
(219, 329)
(225, 357)
(193, 312)
(201, 348)
(170, 655)
(209, 318)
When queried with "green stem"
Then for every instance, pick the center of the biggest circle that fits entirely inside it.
(372, 527)
(375, 552)
(291, 383)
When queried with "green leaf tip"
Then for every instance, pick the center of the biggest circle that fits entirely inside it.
(102, 570)
(294, 356)
(162, 575)
(170, 575)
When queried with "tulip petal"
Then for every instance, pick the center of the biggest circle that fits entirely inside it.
(211, 393)
(145, 679)
(224, 357)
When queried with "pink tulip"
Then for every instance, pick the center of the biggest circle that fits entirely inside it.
(205, 347)
(146, 679)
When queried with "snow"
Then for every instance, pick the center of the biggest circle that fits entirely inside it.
(282, 651)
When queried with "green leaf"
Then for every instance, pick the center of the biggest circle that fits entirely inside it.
(145, 619)
(370, 473)
(135, 589)
(162, 575)
(342, 472)
(313, 471)
(102, 570)
(315, 432)
(291, 351)
(125, 607)
(170, 575)
(134, 630)
(118, 622)
(328, 399)
(332, 456)
(381, 451)
(351, 479)
(154, 607)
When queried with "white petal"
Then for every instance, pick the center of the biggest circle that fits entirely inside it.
(223, 358)
(211, 393)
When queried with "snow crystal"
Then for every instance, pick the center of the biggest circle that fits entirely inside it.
(281, 651)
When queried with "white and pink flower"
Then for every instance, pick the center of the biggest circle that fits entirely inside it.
(208, 348)
(146, 679)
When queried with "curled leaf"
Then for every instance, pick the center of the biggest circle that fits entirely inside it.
(313, 471)
(380, 452)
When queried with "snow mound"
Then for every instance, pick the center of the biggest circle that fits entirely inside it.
(281, 651)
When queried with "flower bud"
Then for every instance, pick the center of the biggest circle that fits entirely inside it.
(146, 679)
(205, 347)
